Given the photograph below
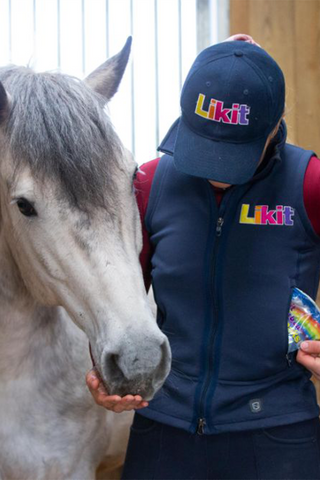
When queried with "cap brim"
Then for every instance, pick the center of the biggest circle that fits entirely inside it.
(232, 163)
(168, 143)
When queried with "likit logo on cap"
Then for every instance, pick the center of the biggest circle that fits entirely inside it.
(217, 113)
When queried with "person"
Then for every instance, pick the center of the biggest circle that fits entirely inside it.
(231, 225)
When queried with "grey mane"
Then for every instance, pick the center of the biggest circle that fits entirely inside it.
(57, 126)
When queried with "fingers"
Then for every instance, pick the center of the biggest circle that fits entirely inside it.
(99, 393)
(92, 380)
(244, 37)
(112, 402)
(308, 356)
(94, 383)
(130, 402)
(311, 347)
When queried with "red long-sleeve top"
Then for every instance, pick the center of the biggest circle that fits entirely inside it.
(143, 182)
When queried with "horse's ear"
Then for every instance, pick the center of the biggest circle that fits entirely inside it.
(4, 103)
(106, 78)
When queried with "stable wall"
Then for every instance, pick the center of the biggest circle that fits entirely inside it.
(290, 31)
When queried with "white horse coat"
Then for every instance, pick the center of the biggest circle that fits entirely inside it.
(70, 238)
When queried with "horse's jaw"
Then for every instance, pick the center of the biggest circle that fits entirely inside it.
(132, 354)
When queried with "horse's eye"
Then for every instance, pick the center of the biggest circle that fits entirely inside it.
(135, 173)
(26, 208)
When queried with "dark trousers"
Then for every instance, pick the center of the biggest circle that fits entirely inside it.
(157, 451)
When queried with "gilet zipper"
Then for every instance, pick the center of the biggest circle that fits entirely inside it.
(218, 231)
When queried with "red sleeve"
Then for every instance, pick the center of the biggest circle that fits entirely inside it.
(142, 185)
(311, 193)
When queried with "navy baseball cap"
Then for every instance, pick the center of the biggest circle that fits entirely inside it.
(232, 99)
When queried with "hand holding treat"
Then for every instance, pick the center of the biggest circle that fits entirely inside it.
(112, 402)
(309, 357)
(303, 320)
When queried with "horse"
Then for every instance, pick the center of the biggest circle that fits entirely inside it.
(70, 238)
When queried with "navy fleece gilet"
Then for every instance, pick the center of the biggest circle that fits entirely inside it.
(222, 279)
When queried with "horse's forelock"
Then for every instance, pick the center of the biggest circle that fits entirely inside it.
(57, 126)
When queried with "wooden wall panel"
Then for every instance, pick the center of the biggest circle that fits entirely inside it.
(307, 78)
(290, 31)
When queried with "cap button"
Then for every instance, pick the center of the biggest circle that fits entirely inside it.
(238, 53)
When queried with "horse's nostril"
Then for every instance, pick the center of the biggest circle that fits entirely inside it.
(113, 361)
(133, 370)
(113, 369)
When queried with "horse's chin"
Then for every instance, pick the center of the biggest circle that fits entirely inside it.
(145, 389)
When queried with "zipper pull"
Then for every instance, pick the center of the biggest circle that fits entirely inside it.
(289, 361)
(219, 226)
(201, 425)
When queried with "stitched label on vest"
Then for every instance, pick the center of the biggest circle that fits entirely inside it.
(255, 405)
(263, 215)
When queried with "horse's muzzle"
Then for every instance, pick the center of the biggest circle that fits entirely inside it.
(136, 369)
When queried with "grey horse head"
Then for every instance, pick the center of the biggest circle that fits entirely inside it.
(68, 218)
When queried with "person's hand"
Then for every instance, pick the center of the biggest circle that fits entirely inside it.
(112, 402)
(309, 356)
(244, 37)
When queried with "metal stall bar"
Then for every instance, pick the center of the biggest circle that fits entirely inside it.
(10, 31)
(58, 35)
(133, 133)
(156, 66)
(107, 30)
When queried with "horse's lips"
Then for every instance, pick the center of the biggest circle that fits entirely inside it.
(144, 390)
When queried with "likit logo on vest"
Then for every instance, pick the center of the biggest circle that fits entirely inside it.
(282, 215)
(237, 115)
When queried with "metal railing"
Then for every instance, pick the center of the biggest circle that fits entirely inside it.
(75, 36)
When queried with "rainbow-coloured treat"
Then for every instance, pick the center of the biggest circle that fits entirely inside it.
(303, 320)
